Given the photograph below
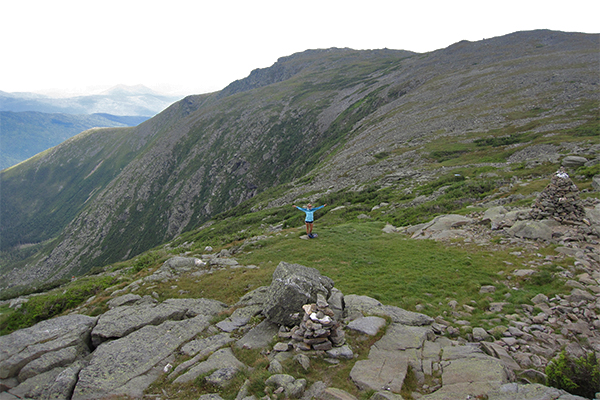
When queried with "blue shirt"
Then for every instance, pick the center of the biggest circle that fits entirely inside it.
(309, 213)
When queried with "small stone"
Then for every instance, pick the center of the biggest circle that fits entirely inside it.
(480, 334)
(323, 346)
(487, 289)
(509, 341)
(280, 346)
(301, 346)
(303, 360)
(540, 298)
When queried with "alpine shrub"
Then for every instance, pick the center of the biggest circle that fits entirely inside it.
(579, 376)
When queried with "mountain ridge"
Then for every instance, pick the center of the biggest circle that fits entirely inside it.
(27, 133)
(357, 117)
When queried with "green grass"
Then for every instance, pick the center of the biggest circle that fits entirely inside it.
(395, 270)
(53, 303)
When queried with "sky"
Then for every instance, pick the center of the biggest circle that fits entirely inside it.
(196, 46)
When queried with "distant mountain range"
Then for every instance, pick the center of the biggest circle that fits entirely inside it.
(119, 100)
(31, 123)
(25, 134)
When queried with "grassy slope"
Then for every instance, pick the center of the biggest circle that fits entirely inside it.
(417, 275)
(25, 134)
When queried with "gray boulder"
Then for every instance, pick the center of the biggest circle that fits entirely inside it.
(221, 360)
(474, 376)
(127, 366)
(256, 297)
(441, 227)
(390, 357)
(26, 345)
(57, 383)
(51, 360)
(593, 214)
(260, 336)
(361, 306)
(596, 183)
(293, 286)
(175, 266)
(121, 321)
(574, 161)
(183, 264)
(367, 325)
(535, 391)
(124, 300)
(499, 217)
(535, 230)
(194, 307)
(205, 346)
(292, 388)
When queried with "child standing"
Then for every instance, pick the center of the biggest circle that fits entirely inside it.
(310, 219)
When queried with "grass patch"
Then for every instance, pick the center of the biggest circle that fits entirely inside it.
(396, 271)
(54, 303)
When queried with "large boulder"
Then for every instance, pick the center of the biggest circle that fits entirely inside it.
(175, 266)
(121, 321)
(535, 230)
(361, 306)
(293, 286)
(127, 366)
(45, 344)
(221, 360)
(194, 307)
(574, 161)
(441, 227)
(389, 358)
(57, 383)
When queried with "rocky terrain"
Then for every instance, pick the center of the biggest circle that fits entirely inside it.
(302, 318)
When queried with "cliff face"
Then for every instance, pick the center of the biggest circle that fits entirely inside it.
(343, 116)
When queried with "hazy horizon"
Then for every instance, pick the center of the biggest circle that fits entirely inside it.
(68, 47)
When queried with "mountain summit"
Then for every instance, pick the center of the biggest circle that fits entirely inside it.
(315, 122)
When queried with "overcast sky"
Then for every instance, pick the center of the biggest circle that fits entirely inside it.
(201, 46)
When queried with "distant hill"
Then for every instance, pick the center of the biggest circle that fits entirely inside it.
(25, 134)
(119, 100)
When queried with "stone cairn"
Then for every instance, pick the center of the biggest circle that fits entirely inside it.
(559, 200)
(318, 330)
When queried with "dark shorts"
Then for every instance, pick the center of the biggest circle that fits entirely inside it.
(309, 222)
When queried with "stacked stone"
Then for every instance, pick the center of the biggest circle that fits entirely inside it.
(559, 200)
(318, 330)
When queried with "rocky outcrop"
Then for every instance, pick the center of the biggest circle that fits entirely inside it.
(46, 345)
(292, 287)
(130, 364)
(57, 358)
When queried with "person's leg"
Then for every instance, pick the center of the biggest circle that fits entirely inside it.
(310, 225)
(307, 227)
